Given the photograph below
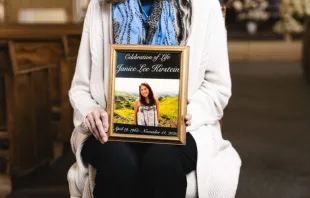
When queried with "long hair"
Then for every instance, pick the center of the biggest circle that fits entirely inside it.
(150, 96)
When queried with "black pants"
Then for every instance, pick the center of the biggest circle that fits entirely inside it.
(133, 170)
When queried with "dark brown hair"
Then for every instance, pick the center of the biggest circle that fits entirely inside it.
(150, 96)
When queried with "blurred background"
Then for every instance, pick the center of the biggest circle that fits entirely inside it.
(267, 120)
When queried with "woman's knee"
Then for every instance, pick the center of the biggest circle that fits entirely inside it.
(160, 159)
(113, 157)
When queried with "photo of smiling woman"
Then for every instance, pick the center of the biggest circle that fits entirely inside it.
(146, 107)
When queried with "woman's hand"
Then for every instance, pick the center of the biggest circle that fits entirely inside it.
(188, 117)
(97, 123)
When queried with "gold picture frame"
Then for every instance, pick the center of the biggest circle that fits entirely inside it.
(139, 113)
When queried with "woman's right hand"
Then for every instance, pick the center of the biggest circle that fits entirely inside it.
(97, 123)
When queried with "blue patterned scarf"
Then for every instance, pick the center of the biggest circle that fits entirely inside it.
(162, 27)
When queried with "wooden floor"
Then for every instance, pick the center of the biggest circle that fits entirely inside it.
(268, 122)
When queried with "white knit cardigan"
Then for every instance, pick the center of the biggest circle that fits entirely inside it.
(209, 89)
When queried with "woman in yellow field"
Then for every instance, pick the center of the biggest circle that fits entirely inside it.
(146, 107)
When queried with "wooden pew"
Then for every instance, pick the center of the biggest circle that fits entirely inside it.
(4, 137)
(31, 92)
(27, 106)
(71, 43)
(56, 34)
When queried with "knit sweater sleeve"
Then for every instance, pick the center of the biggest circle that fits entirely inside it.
(79, 93)
(209, 101)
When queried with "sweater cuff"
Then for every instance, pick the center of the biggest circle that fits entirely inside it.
(79, 118)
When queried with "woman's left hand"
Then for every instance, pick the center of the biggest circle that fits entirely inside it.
(188, 117)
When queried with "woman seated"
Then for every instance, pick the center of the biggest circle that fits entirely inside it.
(135, 170)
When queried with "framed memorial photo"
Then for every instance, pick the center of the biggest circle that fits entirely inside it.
(148, 93)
